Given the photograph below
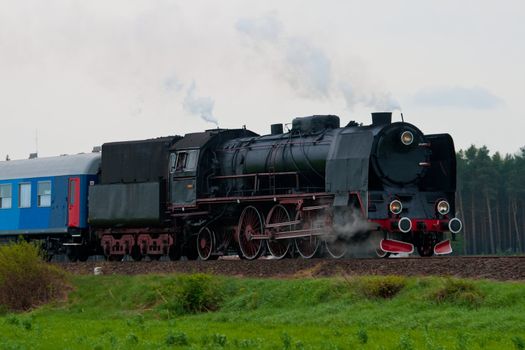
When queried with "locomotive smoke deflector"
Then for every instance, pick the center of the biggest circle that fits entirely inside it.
(381, 118)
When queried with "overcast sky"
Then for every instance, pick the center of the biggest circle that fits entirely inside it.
(81, 73)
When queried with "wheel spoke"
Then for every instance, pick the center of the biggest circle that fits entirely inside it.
(205, 243)
(279, 248)
(336, 248)
(306, 246)
(250, 224)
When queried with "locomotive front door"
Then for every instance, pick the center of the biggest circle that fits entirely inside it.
(183, 171)
(73, 202)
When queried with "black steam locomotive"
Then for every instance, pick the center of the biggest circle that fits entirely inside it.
(316, 189)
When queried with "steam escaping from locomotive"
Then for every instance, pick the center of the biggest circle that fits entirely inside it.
(198, 105)
(308, 69)
(349, 225)
(379, 100)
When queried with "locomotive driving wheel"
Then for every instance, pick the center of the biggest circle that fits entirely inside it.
(278, 248)
(336, 248)
(206, 244)
(307, 246)
(250, 224)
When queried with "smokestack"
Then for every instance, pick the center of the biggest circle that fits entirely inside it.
(277, 129)
(381, 118)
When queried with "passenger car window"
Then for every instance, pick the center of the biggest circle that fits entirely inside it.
(6, 196)
(24, 198)
(44, 194)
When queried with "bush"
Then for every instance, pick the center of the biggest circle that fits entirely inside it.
(385, 287)
(132, 339)
(199, 293)
(458, 291)
(195, 293)
(219, 339)
(177, 339)
(26, 281)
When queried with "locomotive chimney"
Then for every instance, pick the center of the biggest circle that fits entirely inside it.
(277, 129)
(381, 118)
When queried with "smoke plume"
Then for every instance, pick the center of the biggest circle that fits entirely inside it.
(379, 100)
(306, 68)
(198, 105)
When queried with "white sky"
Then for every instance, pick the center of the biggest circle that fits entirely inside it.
(81, 73)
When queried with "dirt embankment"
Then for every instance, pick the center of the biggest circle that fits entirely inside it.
(496, 268)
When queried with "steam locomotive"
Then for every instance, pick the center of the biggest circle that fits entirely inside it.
(381, 189)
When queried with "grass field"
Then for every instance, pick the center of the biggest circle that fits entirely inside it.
(204, 312)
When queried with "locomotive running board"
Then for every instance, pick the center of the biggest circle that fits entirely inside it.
(392, 246)
(443, 248)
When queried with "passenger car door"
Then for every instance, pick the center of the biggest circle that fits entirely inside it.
(73, 202)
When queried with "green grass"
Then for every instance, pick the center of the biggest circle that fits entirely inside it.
(150, 312)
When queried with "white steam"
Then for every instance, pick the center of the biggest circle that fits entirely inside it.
(353, 232)
(265, 28)
(380, 100)
(306, 68)
(199, 105)
(350, 225)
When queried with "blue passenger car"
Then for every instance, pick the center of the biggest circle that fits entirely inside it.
(46, 197)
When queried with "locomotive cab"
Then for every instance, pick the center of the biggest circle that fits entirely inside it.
(193, 164)
(183, 172)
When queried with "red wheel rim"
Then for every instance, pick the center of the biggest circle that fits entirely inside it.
(279, 248)
(250, 224)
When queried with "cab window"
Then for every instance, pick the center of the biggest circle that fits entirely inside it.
(173, 159)
(187, 160)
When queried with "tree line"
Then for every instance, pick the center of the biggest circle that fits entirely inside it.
(491, 201)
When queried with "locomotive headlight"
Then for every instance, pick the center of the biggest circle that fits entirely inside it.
(396, 207)
(443, 207)
(407, 138)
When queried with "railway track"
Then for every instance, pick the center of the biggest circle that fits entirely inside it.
(479, 267)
